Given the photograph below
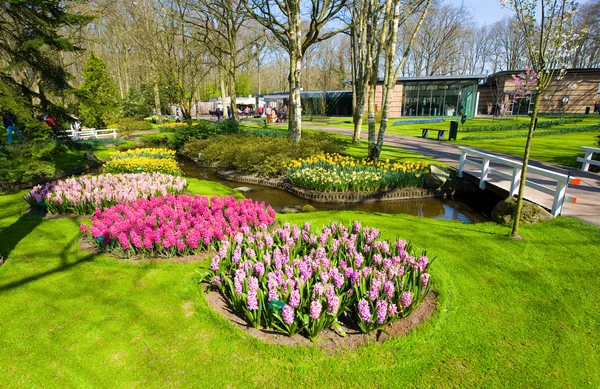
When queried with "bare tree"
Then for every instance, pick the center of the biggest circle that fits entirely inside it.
(550, 42)
(283, 18)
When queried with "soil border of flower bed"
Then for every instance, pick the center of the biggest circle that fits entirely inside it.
(329, 197)
(328, 339)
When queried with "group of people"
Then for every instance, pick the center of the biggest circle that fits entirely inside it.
(274, 115)
(9, 120)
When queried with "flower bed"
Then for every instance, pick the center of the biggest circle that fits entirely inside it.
(83, 195)
(147, 152)
(418, 121)
(294, 281)
(335, 173)
(174, 225)
(142, 164)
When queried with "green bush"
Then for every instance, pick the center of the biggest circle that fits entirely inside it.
(155, 139)
(560, 131)
(520, 126)
(32, 161)
(127, 126)
(265, 156)
(202, 130)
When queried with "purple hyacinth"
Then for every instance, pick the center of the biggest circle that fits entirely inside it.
(315, 309)
(333, 303)
(392, 309)
(364, 311)
(253, 284)
(287, 313)
(388, 288)
(214, 265)
(375, 289)
(425, 279)
(295, 298)
(422, 263)
(252, 301)
(382, 307)
(259, 269)
(406, 299)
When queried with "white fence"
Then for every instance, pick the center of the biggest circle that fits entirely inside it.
(92, 133)
(559, 192)
(587, 160)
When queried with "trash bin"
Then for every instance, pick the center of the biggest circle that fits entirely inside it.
(587, 110)
(453, 130)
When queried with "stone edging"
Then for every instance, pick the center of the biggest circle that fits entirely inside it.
(329, 197)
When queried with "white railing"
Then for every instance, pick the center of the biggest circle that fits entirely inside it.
(92, 133)
(562, 180)
(587, 160)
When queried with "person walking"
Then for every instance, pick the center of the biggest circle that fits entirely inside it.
(268, 113)
(9, 120)
(273, 115)
(219, 113)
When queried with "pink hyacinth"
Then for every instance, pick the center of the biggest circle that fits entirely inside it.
(364, 311)
(295, 298)
(406, 299)
(252, 301)
(381, 306)
(425, 279)
(392, 309)
(83, 227)
(315, 309)
(287, 314)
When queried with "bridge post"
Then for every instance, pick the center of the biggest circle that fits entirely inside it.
(463, 158)
(485, 169)
(514, 183)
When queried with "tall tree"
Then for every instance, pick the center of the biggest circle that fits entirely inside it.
(393, 13)
(283, 18)
(98, 93)
(31, 41)
(550, 42)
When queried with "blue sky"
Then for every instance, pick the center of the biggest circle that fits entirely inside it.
(485, 11)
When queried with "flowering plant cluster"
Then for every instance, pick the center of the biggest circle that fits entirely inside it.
(149, 152)
(175, 225)
(336, 173)
(83, 195)
(294, 281)
(142, 164)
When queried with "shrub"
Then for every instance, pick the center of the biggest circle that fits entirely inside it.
(155, 139)
(419, 121)
(175, 225)
(89, 144)
(266, 156)
(561, 131)
(334, 173)
(31, 161)
(294, 281)
(83, 195)
(127, 126)
(520, 126)
(142, 164)
(202, 130)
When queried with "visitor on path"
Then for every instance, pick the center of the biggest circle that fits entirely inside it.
(75, 125)
(268, 112)
(229, 112)
(9, 121)
(273, 115)
(219, 113)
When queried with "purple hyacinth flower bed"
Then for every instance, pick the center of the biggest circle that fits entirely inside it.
(168, 226)
(294, 281)
(82, 195)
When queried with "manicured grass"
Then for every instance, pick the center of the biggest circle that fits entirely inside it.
(511, 314)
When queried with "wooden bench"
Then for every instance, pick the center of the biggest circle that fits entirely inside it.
(425, 132)
(587, 160)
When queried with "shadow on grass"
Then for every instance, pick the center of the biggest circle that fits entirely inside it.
(16, 232)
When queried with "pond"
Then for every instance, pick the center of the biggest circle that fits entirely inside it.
(467, 209)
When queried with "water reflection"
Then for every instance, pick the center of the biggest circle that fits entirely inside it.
(437, 208)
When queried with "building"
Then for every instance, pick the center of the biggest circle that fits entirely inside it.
(324, 103)
(575, 93)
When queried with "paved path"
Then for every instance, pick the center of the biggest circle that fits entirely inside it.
(587, 193)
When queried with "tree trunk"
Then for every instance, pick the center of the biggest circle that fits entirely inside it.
(371, 114)
(157, 102)
(515, 229)
(295, 123)
(223, 93)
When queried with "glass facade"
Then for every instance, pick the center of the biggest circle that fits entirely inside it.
(439, 97)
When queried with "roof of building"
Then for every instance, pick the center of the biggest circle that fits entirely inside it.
(572, 70)
(443, 78)
(308, 93)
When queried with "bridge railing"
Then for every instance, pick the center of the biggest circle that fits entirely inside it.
(92, 133)
(514, 177)
(587, 160)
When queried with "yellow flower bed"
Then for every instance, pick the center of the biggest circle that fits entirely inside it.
(337, 173)
(142, 164)
(148, 152)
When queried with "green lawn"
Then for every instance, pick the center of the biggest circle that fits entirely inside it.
(511, 314)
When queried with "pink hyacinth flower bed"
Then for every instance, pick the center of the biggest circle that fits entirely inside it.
(296, 282)
(82, 195)
(175, 225)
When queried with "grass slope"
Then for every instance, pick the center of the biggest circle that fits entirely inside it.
(511, 314)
